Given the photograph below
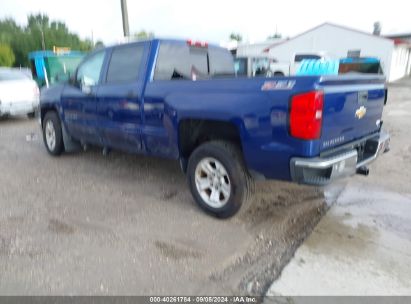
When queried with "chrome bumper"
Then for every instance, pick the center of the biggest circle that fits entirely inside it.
(323, 170)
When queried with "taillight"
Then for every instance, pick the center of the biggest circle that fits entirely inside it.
(306, 115)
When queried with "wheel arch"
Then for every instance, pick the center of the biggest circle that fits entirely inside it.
(47, 108)
(192, 132)
(70, 145)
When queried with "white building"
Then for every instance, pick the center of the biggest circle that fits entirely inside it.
(337, 41)
(401, 60)
(256, 49)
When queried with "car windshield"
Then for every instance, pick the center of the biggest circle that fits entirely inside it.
(11, 75)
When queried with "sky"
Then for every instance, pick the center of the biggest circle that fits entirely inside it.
(211, 20)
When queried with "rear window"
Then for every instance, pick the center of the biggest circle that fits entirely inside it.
(12, 75)
(301, 57)
(363, 68)
(221, 62)
(180, 61)
(125, 64)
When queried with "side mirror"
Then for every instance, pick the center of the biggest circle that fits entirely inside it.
(86, 84)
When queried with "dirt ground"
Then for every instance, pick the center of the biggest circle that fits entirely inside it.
(88, 224)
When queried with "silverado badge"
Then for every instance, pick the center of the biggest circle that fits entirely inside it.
(360, 113)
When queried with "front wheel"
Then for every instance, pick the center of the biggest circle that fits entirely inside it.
(52, 135)
(218, 179)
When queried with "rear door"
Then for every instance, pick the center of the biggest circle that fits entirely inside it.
(119, 97)
(353, 108)
(79, 99)
(178, 64)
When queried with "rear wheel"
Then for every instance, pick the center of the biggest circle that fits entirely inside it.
(52, 135)
(217, 178)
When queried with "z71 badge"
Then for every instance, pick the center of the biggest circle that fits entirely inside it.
(278, 85)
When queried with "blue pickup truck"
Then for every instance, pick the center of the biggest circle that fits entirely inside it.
(181, 100)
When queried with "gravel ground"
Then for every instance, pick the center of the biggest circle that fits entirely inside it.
(88, 224)
(365, 237)
(393, 172)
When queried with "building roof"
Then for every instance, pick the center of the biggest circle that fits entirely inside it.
(326, 24)
(401, 39)
(48, 53)
(399, 36)
(398, 41)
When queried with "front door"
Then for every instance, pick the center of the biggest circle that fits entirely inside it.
(119, 98)
(79, 101)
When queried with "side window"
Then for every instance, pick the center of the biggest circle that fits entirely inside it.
(301, 57)
(170, 57)
(125, 64)
(179, 61)
(221, 62)
(88, 73)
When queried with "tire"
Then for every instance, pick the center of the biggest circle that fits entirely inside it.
(224, 159)
(278, 74)
(31, 115)
(51, 122)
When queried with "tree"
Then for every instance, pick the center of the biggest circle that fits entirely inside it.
(141, 35)
(8, 29)
(99, 45)
(6, 55)
(275, 36)
(38, 31)
(236, 37)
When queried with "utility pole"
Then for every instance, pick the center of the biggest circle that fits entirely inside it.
(43, 44)
(124, 14)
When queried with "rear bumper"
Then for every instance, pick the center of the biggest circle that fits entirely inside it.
(18, 108)
(346, 162)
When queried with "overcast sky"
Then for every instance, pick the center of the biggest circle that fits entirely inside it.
(212, 20)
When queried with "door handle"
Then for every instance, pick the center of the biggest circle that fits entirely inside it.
(131, 94)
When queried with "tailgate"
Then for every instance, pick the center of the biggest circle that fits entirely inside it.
(353, 106)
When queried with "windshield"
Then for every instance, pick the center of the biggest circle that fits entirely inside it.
(12, 75)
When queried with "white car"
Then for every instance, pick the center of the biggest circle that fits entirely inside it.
(19, 94)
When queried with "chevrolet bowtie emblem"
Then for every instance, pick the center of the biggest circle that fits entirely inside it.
(360, 113)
